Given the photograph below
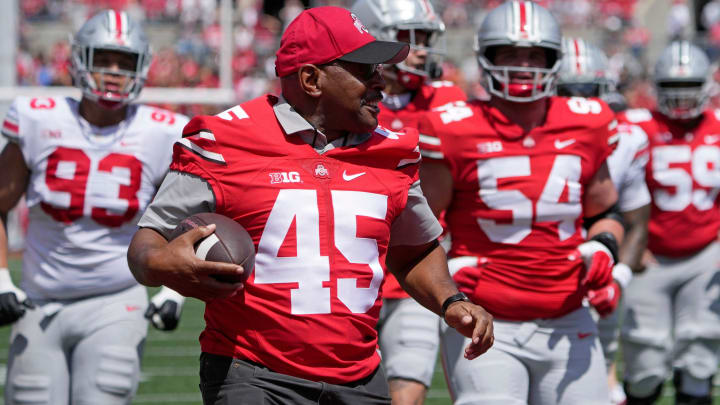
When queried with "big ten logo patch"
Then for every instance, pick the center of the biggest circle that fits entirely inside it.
(490, 147)
(285, 177)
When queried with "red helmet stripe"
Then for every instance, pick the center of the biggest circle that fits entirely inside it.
(428, 9)
(118, 25)
(523, 19)
(578, 56)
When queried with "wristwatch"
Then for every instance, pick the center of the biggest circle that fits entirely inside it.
(451, 299)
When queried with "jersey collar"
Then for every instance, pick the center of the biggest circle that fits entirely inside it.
(294, 124)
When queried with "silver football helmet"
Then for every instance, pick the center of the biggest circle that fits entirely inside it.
(682, 80)
(584, 70)
(386, 18)
(519, 24)
(110, 30)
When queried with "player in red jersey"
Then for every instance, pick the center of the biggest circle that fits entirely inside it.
(672, 322)
(88, 169)
(329, 198)
(584, 74)
(519, 175)
(408, 332)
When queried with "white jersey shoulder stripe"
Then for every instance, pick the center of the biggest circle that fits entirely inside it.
(432, 154)
(412, 161)
(429, 140)
(187, 143)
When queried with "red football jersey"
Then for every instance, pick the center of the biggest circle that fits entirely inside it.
(321, 224)
(517, 201)
(428, 96)
(683, 175)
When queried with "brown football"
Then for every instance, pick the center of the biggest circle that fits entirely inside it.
(230, 243)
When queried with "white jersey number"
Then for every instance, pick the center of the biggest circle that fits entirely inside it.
(566, 171)
(705, 168)
(308, 268)
(68, 175)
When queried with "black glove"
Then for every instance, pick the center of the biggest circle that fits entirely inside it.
(165, 309)
(13, 301)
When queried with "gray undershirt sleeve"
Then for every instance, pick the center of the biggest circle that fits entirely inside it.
(416, 225)
(179, 196)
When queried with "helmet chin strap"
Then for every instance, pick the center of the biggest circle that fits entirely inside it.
(109, 104)
(410, 81)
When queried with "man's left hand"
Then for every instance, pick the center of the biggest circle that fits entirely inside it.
(474, 322)
(605, 299)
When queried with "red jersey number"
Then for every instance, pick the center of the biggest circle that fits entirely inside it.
(308, 268)
(676, 183)
(565, 174)
(68, 171)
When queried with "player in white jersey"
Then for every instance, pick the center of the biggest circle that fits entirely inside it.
(584, 74)
(88, 169)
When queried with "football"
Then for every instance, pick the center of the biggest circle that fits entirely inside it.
(230, 243)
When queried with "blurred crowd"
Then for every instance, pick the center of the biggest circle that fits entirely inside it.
(192, 61)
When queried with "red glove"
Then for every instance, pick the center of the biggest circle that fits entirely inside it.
(598, 264)
(605, 299)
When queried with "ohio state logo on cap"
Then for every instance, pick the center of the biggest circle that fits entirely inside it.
(358, 24)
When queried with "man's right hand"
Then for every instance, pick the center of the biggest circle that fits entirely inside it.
(175, 265)
(471, 321)
(13, 301)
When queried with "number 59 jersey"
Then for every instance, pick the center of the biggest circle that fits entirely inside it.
(88, 187)
(683, 175)
(517, 201)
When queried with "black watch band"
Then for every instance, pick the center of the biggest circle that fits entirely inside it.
(451, 299)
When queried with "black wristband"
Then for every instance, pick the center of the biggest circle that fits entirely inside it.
(608, 239)
(451, 299)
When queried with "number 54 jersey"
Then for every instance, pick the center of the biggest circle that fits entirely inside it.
(516, 209)
(86, 191)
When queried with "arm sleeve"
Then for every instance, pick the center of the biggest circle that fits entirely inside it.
(430, 144)
(634, 192)
(11, 124)
(416, 224)
(179, 196)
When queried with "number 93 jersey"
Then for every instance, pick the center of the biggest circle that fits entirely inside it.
(86, 191)
(683, 175)
(517, 200)
(321, 224)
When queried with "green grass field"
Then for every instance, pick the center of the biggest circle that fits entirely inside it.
(170, 363)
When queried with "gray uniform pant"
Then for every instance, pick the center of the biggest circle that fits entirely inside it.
(78, 352)
(544, 361)
(672, 320)
(408, 339)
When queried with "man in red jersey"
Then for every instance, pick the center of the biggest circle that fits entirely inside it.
(329, 199)
(408, 332)
(672, 322)
(519, 175)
